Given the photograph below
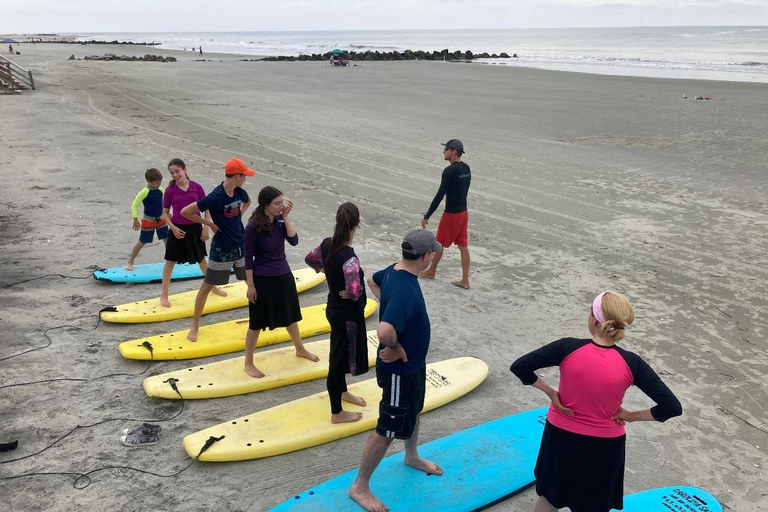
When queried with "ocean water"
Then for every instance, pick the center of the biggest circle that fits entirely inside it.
(723, 53)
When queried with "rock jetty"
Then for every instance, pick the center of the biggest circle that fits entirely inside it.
(446, 55)
(112, 56)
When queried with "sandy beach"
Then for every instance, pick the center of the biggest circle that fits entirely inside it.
(580, 183)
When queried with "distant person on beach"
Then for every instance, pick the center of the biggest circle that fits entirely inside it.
(201, 51)
(152, 220)
(10, 49)
(272, 297)
(226, 203)
(454, 185)
(345, 310)
(404, 333)
(582, 455)
(186, 239)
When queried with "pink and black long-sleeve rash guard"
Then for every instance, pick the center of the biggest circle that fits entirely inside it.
(593, 380)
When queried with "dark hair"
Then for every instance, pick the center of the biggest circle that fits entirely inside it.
(152, 175)
(347, 219)
(259, 216)
(406, 246)
(178, 162)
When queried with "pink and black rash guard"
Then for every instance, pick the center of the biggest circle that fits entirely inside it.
(593, 380)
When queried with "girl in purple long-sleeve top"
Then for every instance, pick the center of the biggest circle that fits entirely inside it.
(345, 311)
(273, 299)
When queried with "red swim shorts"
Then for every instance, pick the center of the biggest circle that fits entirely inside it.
(453, 229)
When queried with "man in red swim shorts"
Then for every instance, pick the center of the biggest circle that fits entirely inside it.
(453, 223)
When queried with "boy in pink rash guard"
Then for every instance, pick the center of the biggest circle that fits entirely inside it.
(582, 454)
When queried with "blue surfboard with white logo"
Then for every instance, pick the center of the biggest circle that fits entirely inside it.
(148, 273)
(672, 499)
(482, 465)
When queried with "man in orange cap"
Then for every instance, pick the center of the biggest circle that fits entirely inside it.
(226, 203)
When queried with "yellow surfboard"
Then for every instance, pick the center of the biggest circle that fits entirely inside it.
(183, 304)
(307, 422)
(224, 337)
(226, 378)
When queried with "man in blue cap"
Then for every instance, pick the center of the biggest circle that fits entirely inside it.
(452, 228)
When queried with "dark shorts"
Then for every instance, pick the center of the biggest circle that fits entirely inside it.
(277, 303)
(453, 229)
(148, 227)
(582, 473)
(402, 399)
(221, 263)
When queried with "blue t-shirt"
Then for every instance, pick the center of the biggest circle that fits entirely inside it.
(225, 213)
(402, 306)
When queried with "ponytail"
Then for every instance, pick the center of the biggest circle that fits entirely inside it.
(259, 216)
(347, 219)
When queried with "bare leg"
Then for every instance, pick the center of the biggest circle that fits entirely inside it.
(353, 399)
(204, 267)
(360, 490)
(412, 455)
(542, 505)
(134, 253)
(167, 273)
(293, 330)
(464, 283)
(430, 272)
(251, 337)
(202, 296)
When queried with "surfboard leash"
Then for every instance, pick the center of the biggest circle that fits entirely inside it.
(10, 285)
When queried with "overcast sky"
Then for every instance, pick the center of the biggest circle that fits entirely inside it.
(51, 16)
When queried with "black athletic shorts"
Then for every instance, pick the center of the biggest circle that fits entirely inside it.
(402, 399)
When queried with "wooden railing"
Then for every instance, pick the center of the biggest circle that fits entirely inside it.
(14, 76)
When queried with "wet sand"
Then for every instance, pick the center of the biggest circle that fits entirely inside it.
(580, 183)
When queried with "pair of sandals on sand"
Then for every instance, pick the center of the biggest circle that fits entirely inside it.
(141, 435)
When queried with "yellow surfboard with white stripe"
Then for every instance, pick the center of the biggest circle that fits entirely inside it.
(281, 367)
(306, 422)
(224, 337)
(183, 304)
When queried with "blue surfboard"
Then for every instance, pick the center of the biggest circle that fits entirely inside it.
(148, 273)
(482, 465)
(668, 499)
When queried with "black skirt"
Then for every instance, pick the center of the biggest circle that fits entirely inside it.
(189, 249)
(583, 473)
(277, 302)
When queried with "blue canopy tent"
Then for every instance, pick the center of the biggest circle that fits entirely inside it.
(9, 41)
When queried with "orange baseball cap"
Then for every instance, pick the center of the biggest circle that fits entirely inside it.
(237, 166)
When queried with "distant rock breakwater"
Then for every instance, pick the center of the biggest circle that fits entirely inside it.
(446, 55)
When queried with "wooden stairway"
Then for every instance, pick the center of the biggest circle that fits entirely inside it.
(14, 78)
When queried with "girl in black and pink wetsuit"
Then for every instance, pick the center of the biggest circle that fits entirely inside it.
(581, 459)
(345, 311)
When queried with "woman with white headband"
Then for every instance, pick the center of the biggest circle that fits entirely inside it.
(582, 454)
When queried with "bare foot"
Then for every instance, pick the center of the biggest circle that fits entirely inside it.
(353, 399)
(461, 284)
(424, 465)
(129, 267)
(192, 334)
(366, 499)
(307, 355)
(253, 371)
(346, 417)
(427, 274)
(218, 291)
(165, 302)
